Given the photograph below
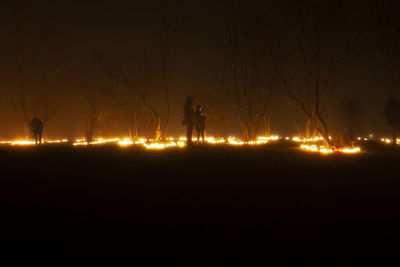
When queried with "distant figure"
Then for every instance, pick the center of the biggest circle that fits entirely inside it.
(37, 129)
(188, 119)
(392, 115)
(352, 113)
(200, 123)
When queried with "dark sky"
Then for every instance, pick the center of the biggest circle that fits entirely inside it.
(74, 30)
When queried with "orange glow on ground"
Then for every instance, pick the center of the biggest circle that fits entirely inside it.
(313, 144)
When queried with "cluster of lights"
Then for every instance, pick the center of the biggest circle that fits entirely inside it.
(56, 141)
(307, 140)
(29, 142)
(389, 141)
(150, 143)
(307, 144)
(159, 145)
(181, 142)
(212, 140)
(100, 141)
(383, 140)
(18, 142)
(260, 140)
(349, 150)
(326, 150)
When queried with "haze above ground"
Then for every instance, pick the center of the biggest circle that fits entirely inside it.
(75, 29)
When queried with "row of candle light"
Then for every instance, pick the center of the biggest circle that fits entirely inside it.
(307, 144)
(325, 150)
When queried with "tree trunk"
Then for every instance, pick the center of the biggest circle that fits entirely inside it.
(293, 116)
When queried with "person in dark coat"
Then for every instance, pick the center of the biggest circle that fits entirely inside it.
(37, 129)
(188, 117)
(392, 115)
(200, 123)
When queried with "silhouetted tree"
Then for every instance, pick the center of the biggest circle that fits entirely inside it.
(137, 84)
(169, 22)
(29, 82)
(325, 34)
(95, 96)
(251, 38)
(387, 33)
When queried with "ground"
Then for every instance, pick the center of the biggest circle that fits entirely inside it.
(213, 199)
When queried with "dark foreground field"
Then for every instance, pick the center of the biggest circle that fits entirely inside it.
(60, 202)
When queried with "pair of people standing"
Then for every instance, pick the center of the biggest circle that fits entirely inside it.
(37, 129)
(194, 117)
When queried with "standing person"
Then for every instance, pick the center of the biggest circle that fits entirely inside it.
(392, 113)
(188, 115)
(200, 123)
(37, 129)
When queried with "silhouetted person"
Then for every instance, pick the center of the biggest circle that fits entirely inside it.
(188, 115)
(392, 114)
(200, 123)
(37, 129)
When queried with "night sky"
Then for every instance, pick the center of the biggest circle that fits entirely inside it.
(62, 41)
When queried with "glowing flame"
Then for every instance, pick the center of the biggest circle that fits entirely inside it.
(307, 144)
(83, 142)
(56, 141)
(125, 142)
(160, 145)
(308, 140)
(326, 150)
(350, 150)
(31, 143)
(234, 141)
(389, 141)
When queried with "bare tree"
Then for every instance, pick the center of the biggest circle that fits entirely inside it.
(128, 104)
(325, 35)
(28, 81)
(138, 83)
(96, 101)
(249, 77)
(140, 79)
(217, 112)
(387, 33)
(169, 22)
